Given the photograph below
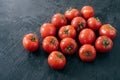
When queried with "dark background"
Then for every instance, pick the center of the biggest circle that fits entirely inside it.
(19, 17)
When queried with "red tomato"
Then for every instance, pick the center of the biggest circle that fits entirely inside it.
(67, 31)
(68, 46)
(31, 42)
(78, 23)
(50, 43)
(87, 12)
(71, 13)
(87, 53)
(103, 44)
(87, 36)
(56, 60)
(107, 30)
(94, 23)
(59, 20)
(47, 29)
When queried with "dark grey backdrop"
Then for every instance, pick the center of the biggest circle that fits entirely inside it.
(19, 17)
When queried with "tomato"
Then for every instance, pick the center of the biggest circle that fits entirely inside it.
(31, 42)
(71, 13)
(87, 53)
(59, 20)
(78, 23)
(50, 43)
(87, 12)
(68, 46)
(67, 31)
(103, 44)
(47, 29)
(107, 30)
(94, 23)
(87, 36)
(56, 60)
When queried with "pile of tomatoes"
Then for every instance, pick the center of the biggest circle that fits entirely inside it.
(61, 35)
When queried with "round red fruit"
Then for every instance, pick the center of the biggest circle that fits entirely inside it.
(87, 53)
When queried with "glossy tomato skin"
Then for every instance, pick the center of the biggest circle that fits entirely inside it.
(87, 12)
(50, 43)
(56, 60)
(87, 53)
(87, 36)
(68, 46)
(78, 23)
(31, 42)
(94, 23)
(59, 20)
(103, 44)
(71, 13)
(107, 30)
(47, 29)
(67, 31)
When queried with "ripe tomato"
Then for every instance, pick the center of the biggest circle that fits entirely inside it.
(86, 36)
(78, 23)
(68, 46)
(94, 23)
(47, 29)
(50, 43)
(56, 60)
(31, 42)
(87, 53)
(107, 30)
(67, 31)
(103, 44)
(71, 13)
(87, 12)
(58, 20)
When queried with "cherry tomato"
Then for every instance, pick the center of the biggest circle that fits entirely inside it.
(87, 53)
(31, 42)
(56, 60)
(59, 20)
(47, 29)
(78, 23)
(68, 46)
(67, 31)
(94, 23)
(87, 36)
(107, 30)
(87, 12)
(71, 13)
(103, 44)
(50, 43)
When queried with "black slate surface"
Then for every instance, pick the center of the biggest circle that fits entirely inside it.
(19, 17)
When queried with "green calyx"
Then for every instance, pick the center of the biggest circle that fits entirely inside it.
(66, 31)
(33, 38)
(97, 19)
(52, 41)
(59, 55)
(69, 48)
(88, 53)
(105, 43)
(80, 26)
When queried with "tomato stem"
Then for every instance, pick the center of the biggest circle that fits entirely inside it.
(52, 41)
(105, 42)
(80, 26)
(60, 55)
(66, 31)
(33, 38)
(97, 19)
(69, 9)
(69, 48)
(88, 53)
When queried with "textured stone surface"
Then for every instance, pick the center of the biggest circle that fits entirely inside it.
(19, 17)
